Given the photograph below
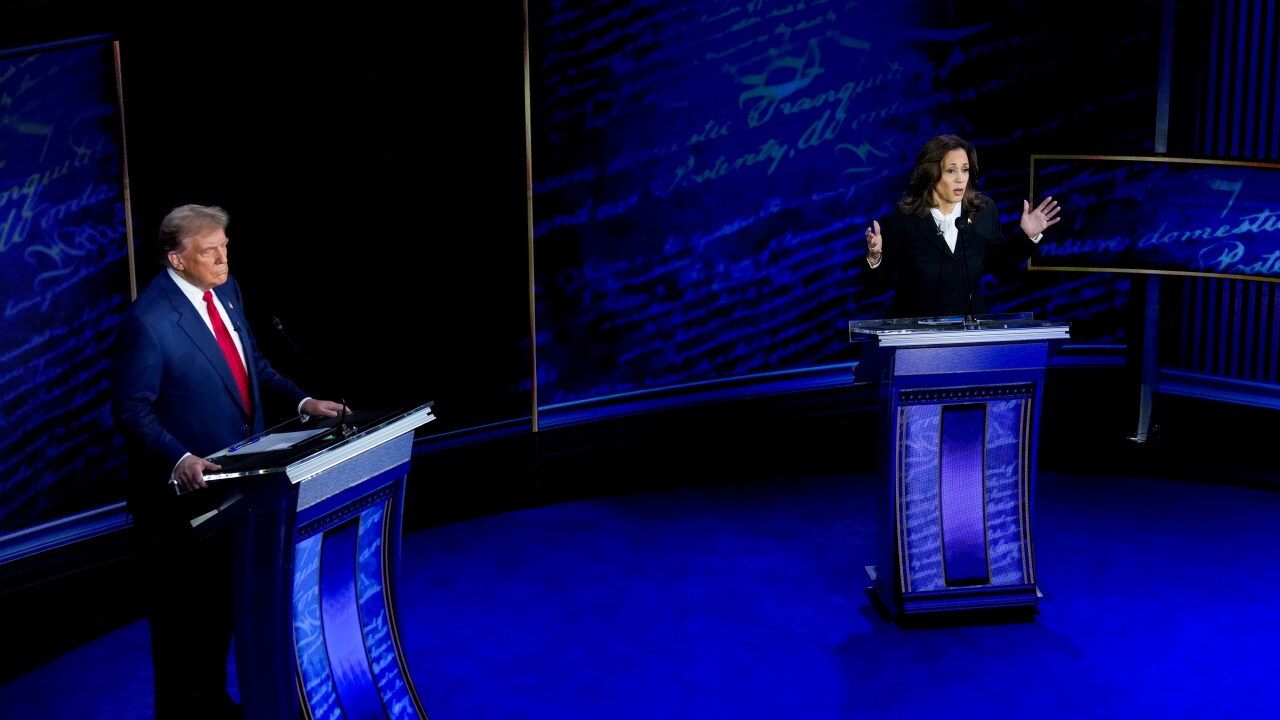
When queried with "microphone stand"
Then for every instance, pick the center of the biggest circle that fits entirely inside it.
(969, 320)
(344, 430)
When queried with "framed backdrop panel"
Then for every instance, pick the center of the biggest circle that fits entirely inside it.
(1177, 216)
(65, 277)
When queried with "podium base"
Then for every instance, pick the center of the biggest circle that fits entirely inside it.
(972, 605)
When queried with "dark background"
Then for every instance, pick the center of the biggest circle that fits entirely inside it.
(371, 162)
(373, 166)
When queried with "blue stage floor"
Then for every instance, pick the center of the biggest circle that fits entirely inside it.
(748, 601)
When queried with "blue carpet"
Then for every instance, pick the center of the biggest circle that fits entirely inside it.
(748, 601)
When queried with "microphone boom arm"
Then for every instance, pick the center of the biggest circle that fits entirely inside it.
(343, 428)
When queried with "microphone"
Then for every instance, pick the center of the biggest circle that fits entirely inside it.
(969, 320)
(343, 428)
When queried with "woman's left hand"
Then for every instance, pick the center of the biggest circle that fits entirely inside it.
(1037, 221)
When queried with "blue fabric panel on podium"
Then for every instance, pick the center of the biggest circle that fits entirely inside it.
(962, 495)
(377, 622)
(340, 613)
(918, 498)
(350, 662)
(1006, 476)
(308, 631)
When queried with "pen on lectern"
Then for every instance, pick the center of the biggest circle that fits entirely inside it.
(244, 444)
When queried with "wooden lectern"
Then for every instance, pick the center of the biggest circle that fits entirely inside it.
(316, 511)
(960, 406)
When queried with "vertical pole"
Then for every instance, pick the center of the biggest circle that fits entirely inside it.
(1151, 308)
(1149, 338)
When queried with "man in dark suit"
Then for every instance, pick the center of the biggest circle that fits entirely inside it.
(178, 396)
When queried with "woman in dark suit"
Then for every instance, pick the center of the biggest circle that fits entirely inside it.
(944, 235)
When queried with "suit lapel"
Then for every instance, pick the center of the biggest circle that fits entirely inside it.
(197, 332)
(929, 229)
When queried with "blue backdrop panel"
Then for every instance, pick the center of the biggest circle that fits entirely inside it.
(64, 278)
(703, 170)
(1217, 218)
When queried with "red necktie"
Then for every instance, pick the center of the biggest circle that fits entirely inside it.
(228, 348)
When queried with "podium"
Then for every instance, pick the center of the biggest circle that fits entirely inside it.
(315, 508)
(959, 414)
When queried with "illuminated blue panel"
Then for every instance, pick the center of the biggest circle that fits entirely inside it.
(918, 497)
(308, 631)
(962, 495)
(344, 638)
(1006, 478)
(1008, 481)
(349, 651)
(380, 636)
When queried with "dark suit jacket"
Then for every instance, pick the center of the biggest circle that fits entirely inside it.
(927, 278)
(172, 391)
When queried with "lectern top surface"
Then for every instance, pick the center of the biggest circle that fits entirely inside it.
(306, 439)
(955, 329)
